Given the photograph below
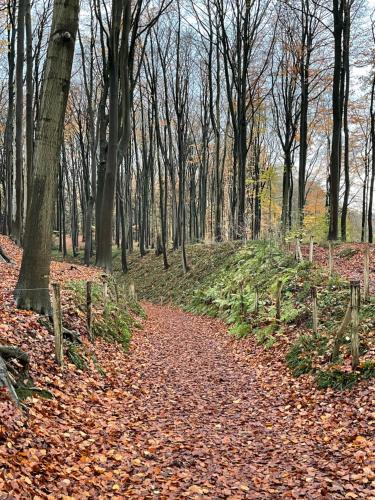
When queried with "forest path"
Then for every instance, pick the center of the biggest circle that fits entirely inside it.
(215, 419)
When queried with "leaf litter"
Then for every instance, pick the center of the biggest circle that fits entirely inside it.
(189, 412)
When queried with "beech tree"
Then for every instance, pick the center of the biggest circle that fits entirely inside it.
(189, 122)
(32, 288)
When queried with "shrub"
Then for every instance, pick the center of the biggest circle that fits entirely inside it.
(302, 352)
(336, 379)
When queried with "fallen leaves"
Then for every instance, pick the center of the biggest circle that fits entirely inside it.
(188, 413)
(347, 264)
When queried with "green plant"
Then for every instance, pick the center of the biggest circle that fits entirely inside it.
(290, 312)
(336, 379)
(113, 325)
(77, 356)
(341, 380)
(78, 288)
(348, 252)
(264, 335)
(114, 320)
(241, 330)
(302, 352)
(368, 369)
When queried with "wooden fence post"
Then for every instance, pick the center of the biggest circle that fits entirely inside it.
(278, 299)
(341, 331)
(311, 251)
(242, 303)
(105, 293)
(256, 308)
(132, 292)
(330, 258)
(314, 309)
(89, 308)
(299, 256)
(355, 299)
(366, 273)
(57, 324)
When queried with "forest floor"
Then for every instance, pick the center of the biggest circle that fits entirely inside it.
(188, 412)
(348, 260)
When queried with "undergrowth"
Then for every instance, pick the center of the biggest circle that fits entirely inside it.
(341, 380)
(155, 284)
(231, 295)
(113, 316)
(237, 282)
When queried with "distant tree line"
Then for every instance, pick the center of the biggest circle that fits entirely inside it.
(181, 121)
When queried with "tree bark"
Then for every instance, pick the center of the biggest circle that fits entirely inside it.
(335, 160)
(32, 290)
(17, 228)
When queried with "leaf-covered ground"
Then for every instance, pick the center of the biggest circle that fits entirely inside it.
(189, 412)
(348, 260)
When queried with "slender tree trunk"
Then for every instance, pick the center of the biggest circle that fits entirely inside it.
(372, 180)
(29, 101)
(346, 70)
(335, 160)
(9, 129)
(18, 221)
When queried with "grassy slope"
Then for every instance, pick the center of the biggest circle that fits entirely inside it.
(155, 284)
(221, 283)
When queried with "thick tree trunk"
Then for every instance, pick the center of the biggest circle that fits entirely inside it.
(32, 290)
(29, 101)
(104, 243)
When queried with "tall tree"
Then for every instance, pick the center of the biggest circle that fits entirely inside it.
(338, 9)
(32, 287)
(104, 243)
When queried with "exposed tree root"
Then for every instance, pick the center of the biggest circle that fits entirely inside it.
(15, 378)
(70, 335)
(4, 257)
(14, 369)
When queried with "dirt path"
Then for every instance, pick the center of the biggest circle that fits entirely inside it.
(188, 413)
(214, 421)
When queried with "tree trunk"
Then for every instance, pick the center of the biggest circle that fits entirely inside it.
(9, 129)
(346, 70)
(32, 290)
(104, 243)
(17, 229)
(335, 160)
(29, 101)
